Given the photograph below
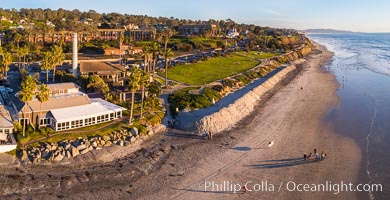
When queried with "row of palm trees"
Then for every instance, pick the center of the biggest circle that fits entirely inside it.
(152, 53)
(51, 59)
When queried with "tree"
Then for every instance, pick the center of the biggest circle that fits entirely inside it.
(98, 84)
(47, 64)
(42, 96)
(26, 94)
(144, 82)
(58, 58)
(166, 36)
(155, 53)
(168, 54)
(145, 51)
(121, 38)
(24, 51)
(134, 84)
(6, 60)
(17, 39)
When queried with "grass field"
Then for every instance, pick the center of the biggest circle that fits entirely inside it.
(211, 70)
(259, 55)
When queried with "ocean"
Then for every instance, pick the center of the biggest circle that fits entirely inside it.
(362, 67)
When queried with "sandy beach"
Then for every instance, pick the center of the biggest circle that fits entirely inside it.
(177, 165)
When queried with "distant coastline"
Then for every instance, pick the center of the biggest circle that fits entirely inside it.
(327, 31)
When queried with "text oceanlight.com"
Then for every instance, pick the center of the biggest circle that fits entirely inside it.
(291, 186)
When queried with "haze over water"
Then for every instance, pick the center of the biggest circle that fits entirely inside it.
(362, 67)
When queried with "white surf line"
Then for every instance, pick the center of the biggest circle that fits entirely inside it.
(370, 194)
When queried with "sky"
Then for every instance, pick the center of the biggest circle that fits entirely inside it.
(353, 15)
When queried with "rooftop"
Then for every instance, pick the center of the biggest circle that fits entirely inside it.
(86, 67)
(57, 102)
(5, 118)
(62, 86)
(95, 108)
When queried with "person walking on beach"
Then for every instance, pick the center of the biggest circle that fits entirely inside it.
(209, 135)
(322, 155)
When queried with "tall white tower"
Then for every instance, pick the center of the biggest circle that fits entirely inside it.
(74, 54)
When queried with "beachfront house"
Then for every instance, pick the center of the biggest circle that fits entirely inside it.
(7, 140)
(68, 108)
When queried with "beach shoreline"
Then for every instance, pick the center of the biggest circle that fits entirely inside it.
(175, 165)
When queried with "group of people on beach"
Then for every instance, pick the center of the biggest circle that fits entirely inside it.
(317, 157)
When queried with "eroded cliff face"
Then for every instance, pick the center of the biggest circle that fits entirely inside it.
(229, 116)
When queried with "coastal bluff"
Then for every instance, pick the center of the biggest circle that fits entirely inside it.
(227, 117)
(235, 106)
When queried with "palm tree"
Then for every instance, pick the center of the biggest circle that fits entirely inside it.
(24, 52)
(17, 39)
(6, 60)
(58, 58)
(166, 37)
(47, 63)
(42, 96)
(146, 50)
(155, 52)
(134, 84)
(26, 94)
(168, 54)
(144, 82)
(121, 38)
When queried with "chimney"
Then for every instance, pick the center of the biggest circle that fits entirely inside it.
(74, 54)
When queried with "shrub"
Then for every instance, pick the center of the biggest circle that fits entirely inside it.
(242, 78)
(217, 88)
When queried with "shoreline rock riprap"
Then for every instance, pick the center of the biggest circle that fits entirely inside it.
(58, 151)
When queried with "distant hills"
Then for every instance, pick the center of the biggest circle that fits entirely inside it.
(325, 31)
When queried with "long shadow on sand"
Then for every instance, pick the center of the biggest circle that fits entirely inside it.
(289, 162)
(183, 134)
(242, 148)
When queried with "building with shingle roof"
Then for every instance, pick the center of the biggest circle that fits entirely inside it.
(68, 108)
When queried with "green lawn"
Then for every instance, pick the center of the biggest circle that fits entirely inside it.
(258, 54)
(211, 70)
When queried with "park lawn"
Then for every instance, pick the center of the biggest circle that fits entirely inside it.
(211, 70)
(259, 55)
(160, 80)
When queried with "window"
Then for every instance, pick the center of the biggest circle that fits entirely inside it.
(77, 123)
(112, 116)
(6, 131)
(45, 122)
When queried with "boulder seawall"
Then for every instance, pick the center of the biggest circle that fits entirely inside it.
(227, 117)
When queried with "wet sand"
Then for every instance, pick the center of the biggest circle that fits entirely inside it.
(177, 165)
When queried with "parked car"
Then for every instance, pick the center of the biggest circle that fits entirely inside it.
(9, 90)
